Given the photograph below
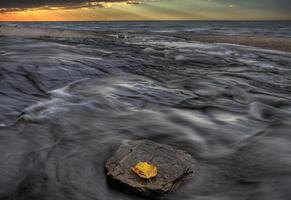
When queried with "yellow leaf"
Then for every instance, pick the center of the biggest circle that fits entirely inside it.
(145, 170)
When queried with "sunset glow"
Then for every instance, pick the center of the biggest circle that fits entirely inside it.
(144, 10)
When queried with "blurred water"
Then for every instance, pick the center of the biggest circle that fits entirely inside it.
(243, 28)
(67, 104)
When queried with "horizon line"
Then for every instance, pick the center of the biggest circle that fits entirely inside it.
(157, 20)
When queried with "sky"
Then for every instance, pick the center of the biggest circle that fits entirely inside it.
(102, 10)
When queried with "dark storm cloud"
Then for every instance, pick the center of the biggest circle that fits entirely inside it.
(16, 5)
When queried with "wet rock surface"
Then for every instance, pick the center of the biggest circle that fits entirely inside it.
(229, 106)
(174, 166)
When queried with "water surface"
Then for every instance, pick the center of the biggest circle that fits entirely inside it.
(241, 28)
(67, 104)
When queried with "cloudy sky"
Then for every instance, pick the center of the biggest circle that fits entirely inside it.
(75, 10)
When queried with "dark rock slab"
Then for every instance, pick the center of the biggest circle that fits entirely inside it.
(173, 167)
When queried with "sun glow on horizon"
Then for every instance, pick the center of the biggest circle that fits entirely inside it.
(87, 12)
(99, 12)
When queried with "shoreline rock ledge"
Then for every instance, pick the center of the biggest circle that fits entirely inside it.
(173, 167)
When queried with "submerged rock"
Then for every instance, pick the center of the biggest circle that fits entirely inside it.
(173, 166)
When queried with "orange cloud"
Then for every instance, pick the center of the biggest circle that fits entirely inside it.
(24, 5)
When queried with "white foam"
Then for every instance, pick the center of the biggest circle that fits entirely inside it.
(149, 50)
(197, 29)
(162, 118)
(205, 48)
(62, 92)
(182, 44)
(2, 125)
(180, 58)
(58, 102)
(251, 48)
(249, 61)
(195, 117)
(43, 109)
(227, 117)
(164, 31)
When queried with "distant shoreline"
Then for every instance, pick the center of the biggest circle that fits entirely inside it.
(271, 43)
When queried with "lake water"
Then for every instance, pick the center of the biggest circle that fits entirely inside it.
(244, 28)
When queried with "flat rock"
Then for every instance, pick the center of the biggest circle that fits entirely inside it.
(173, 167)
